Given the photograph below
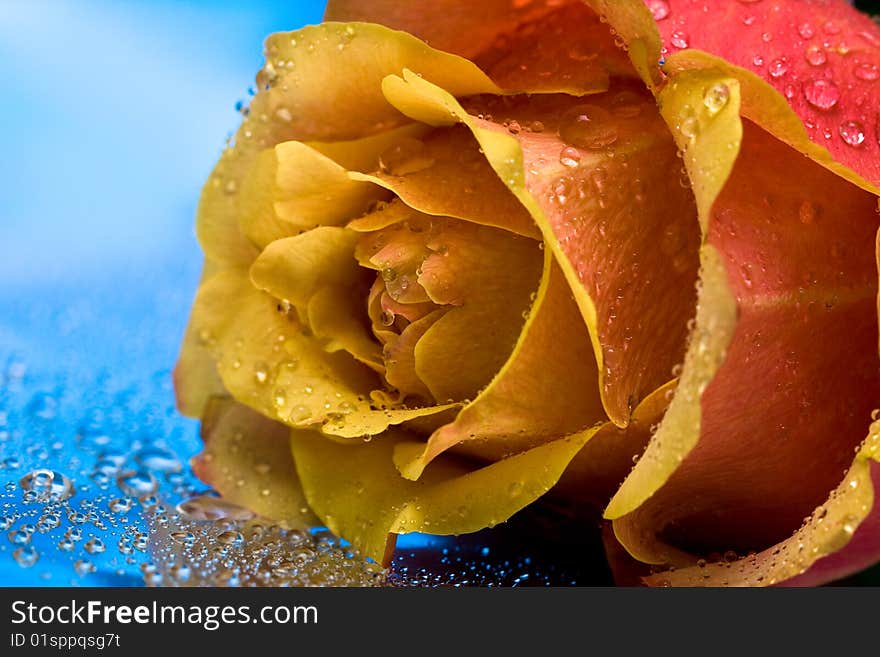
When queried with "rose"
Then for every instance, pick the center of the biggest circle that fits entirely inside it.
(375, 286)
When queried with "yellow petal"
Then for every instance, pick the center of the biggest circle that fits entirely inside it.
(292, 188)
(301, 96)
(295, 268)
(357, 492)
(195, 374)
(489, 275)
(268, 362)
(537, 395)
(337, 315)
(247, 460)
(633, 22)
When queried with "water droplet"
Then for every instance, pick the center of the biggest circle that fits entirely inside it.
(716, 97)
(806, 31)
(183, 537)
(139, 484)
(679, 39)
(852, 133)
(821, 94)
(10, 463)
(231, 538)
(261, 373)
(26, 556)
(866, 71)
(47, 485)
(94, 546)
(158, 459)
(119, 504)
(778, 68)
(659, 9)
(587, 126)
(815, 55)
(387, 318)
(83, 567)
(569, 156)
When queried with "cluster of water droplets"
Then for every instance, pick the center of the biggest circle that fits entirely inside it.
(104, 495)
(836, 59)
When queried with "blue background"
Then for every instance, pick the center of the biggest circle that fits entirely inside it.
(113, 115)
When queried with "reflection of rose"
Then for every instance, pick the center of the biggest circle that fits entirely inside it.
(424, 266)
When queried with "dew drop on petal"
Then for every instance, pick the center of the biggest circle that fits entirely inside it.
(659, 9)
(852, 133)
(679, 39)
(569, 156)
(778, 68)
(866, 71)
(806, 31)
(821, 94)
(587, 126)
(716, 97)
(815, 55)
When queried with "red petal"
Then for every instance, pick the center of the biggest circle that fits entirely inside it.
(824, 57)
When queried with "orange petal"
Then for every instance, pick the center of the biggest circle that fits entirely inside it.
(454, 180)
(785, 409)
(489, 275)
(596, 172)
(838, 538)
(568, 50)
(400, 360)
(247, 460)
(457, 26)
(596, 472)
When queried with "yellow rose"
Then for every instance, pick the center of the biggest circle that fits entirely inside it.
(448, 273)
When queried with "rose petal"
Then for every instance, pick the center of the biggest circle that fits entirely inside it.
(301, 96)
(269, 363)
(195, 373)
(764, 458)
(596, 472)
(295, 268)
(292, 188)
(458, 182)
(400, 359)
(634, 24)
(358, 494)
(566, 51)
(337, 315)
(648, 322)
(459, 26)
(838, 538)
(825, 62)
(247, 460)
(523, 406)
(489, 275)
